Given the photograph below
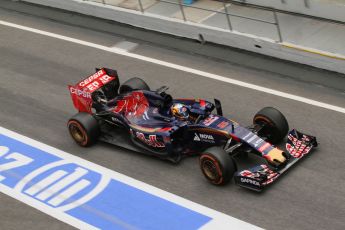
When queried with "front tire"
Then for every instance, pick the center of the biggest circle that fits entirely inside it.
(217, 166)
(84, 129)
(275, 125)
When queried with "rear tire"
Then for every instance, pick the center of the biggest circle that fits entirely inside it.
(217, 166)
(275, 124)
(84, 129)
(132, 84)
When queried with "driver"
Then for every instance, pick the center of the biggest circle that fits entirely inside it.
(179, 111)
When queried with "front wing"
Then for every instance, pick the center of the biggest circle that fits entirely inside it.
(258, 177)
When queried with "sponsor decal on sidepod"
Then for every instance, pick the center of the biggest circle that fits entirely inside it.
(203, 137)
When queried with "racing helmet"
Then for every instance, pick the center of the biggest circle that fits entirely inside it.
(180, 111)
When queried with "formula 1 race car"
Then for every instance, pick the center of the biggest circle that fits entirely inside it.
(131, 115)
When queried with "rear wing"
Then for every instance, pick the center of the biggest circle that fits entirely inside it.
(257, 178)
(82, 92)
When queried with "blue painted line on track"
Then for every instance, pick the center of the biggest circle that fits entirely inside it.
(59, 183)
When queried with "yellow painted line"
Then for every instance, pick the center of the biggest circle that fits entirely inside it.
(314, 51)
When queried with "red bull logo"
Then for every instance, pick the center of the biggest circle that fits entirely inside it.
(151, 141)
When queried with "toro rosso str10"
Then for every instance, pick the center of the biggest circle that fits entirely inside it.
(131, 115)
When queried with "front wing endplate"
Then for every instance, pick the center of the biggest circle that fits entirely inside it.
(258, 177)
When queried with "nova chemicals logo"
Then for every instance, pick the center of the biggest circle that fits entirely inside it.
(62, 185)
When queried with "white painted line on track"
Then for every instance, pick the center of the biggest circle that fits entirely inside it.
(179, 67)
(219, 220)
(126, 45)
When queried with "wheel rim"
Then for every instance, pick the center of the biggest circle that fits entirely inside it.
(210, 170)
(76, 132)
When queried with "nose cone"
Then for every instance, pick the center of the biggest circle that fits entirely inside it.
(276, 157)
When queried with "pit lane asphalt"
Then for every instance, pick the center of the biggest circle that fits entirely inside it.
(34, 72)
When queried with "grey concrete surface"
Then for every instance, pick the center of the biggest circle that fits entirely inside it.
(331, 9)
(109, 33)
(297, 30)
(307, 32)
(312, 33)
(164, 8)
(35, 102)
(245, 25)
(15, 215)
(303, 31)
(192, 30)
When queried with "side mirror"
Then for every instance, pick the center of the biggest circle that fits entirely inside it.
(218, 107)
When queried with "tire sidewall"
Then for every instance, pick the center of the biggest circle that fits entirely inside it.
(277, 124)
(216, 163)
(87, 125)
(81, 129)
(223, 163)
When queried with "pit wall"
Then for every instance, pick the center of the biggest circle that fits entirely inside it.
(286, 51)
(330, 9)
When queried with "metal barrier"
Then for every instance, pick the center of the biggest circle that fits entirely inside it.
(306, 2)
(227, 14)
(278, 37)
(324, 52)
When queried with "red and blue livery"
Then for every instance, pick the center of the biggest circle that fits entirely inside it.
(133, 116)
